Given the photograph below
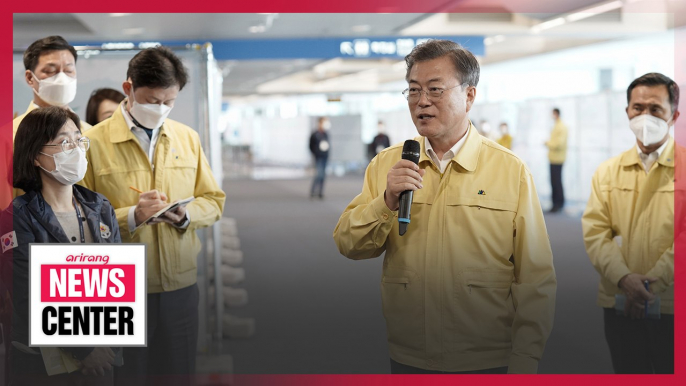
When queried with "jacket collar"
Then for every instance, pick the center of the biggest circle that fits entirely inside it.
(121, 132)
(630, 157)
(467, 157)
(91, 203)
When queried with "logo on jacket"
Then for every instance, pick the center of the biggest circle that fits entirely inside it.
(482, 192)
(105, 231)
(9, 241)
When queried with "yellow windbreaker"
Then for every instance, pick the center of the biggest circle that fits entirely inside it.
(639, 208)
(505, 141)
(116, 161)
(557, 145)
(16, 121)
(471, 285)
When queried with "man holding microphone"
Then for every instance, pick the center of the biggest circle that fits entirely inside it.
(470, 288)
(140, 147)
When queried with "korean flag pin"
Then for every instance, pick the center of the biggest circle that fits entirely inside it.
(9, 241)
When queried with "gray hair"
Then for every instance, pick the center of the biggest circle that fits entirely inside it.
(465, 63)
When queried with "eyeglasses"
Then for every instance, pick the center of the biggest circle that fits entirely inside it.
(68, 145)
(413, 94)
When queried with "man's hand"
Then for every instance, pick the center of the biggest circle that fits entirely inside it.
(149, 203)
(636, 294)
(172, 217)
(404, 175)
(98, 361)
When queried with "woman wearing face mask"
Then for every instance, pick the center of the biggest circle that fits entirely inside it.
(49, 159)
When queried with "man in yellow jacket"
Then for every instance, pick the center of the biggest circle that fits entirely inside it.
(50, 65)
(140, 147)
(629, 231)
(471, 286)
(557, 153)
(505, 139)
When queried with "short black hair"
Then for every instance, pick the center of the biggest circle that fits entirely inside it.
(465, 63)
(97, 97)
(38, 127)
(43, 46)
(556, 111)
(653, 79)
(157, 67)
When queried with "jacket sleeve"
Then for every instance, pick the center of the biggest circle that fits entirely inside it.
(19, 256)
(604, 253)
(116, 234)
(313, 145)
(558, 138)
(663, 270)
(533, 292)
(208, 206)
(364, 226)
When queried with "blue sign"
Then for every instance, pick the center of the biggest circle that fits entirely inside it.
(310, 48)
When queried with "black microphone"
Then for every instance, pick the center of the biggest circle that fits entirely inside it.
(411, 153)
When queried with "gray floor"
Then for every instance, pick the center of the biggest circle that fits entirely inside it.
(318, 312)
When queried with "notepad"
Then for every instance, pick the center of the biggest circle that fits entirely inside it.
(168, 208)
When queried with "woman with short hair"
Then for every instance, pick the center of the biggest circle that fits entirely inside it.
(49, 159)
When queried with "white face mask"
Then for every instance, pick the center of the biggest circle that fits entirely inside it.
(69, 168)
(58, 90)
(151, 116)
(326, 125)
(648, 129)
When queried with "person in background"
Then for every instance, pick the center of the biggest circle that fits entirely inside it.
(50, 65)
(380, 141)
(320, 148)
(140, 147)
(102, 104)
(49, 159)
(505, 139)
(470, 288)
(628, 230)
(557, 153)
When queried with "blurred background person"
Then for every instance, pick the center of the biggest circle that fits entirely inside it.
(49, 159)
(505, 139)
(557, 153)
(102, 104)
(320, 148)
(380, 141)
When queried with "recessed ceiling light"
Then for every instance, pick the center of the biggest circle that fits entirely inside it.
(119, 14)
(361, 28)
(133, 31)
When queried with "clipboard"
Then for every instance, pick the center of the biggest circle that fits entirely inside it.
(168, 208)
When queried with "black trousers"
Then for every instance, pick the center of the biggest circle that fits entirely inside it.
(556, 183)
(642, 346)
(169, 358)
(399, 368)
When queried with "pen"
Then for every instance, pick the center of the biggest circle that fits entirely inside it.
(647, 285)
(137, 190)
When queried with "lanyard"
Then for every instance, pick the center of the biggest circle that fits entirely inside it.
(78, 219)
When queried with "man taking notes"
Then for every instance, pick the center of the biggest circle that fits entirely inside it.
(140, 147)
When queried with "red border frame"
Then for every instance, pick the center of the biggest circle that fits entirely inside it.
(361, 6)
